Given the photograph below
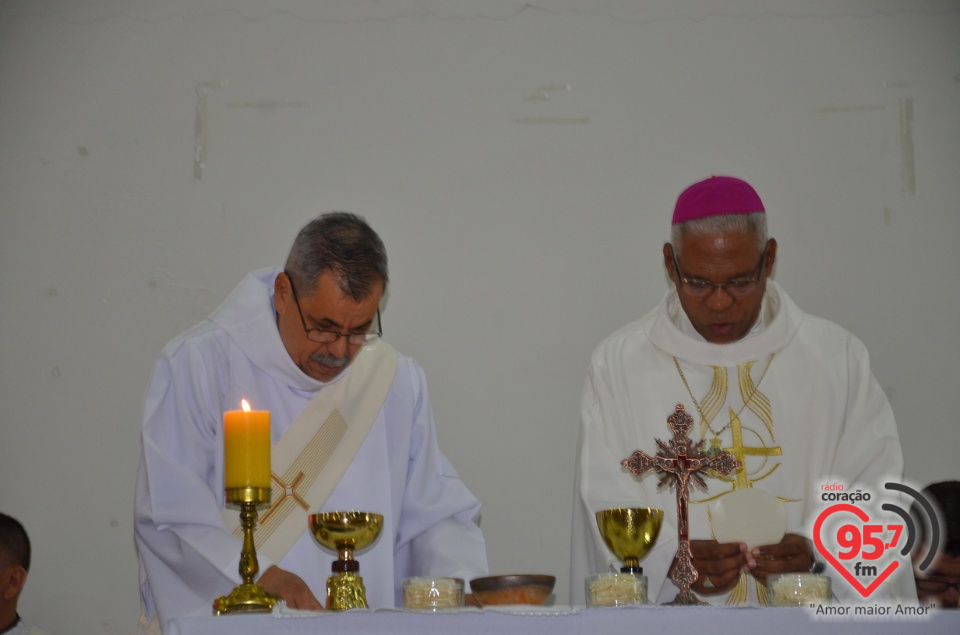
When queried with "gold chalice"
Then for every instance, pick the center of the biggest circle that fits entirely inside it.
(630, 533)
(346, 533)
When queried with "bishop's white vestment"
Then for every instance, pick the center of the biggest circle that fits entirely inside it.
(187, 556)
(795, 400)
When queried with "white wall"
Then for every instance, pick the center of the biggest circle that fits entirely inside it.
(520, 160)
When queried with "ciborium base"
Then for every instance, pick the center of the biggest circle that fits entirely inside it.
(346, 591)
(246, 598)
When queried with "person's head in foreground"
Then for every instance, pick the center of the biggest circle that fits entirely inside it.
(939, 582)
(14, 566)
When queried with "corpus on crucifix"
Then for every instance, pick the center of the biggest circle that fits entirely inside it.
(680, 461)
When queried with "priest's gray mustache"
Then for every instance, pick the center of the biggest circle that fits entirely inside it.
(330, 360)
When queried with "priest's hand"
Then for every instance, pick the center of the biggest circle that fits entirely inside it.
(791, 555)
(290, 587)
(718, 565)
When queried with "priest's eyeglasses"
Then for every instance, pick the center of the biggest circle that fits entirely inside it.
(329, 336)
(700, 288)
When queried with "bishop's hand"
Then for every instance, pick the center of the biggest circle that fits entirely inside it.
(718, 565)
(793, 554)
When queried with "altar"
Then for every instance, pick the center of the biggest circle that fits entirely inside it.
(579, 621)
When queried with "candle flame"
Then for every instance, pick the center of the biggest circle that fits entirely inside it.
(245, 405)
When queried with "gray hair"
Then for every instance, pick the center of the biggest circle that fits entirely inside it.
(755, 223)
(343, 243)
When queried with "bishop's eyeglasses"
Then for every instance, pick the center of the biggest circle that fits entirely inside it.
(329, 336)
(737, 287)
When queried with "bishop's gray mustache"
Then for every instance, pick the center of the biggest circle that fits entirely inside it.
(330, 360)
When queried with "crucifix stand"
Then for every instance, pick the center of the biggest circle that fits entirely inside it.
(680, 461)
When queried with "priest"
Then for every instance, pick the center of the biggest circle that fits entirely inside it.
(790, 395)
(351, 427)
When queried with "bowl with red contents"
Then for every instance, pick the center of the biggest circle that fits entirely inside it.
(512, 589)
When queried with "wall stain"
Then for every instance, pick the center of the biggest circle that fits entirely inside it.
(553, 120)
(868, 108)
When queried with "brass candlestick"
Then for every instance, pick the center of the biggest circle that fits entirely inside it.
(248, 597)
(346, 533)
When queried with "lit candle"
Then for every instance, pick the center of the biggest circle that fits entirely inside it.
(246, 448)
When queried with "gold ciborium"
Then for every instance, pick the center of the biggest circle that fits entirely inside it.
(346, 533)
(248, 597)
(630, 533)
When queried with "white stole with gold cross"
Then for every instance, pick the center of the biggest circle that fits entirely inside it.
(309, 459)
(759, 404)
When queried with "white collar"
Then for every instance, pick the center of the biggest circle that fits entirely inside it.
(249, 318)
(781, 319)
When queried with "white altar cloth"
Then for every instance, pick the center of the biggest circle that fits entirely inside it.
(576, 621)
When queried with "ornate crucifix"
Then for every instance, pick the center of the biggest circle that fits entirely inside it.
(680, 461)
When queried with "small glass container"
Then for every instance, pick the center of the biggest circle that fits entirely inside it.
(798, 589)
(616, 589)
(432, 594)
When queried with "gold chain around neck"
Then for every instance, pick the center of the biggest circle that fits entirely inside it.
(746, 401)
